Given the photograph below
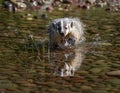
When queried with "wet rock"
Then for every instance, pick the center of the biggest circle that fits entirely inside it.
(100, 91)
(24, 89)
(29, 18)
(114, 81)
(15, 75)
(86, 89)
(26, 83)
(76, 80)
(77, 85)
(6, 84)
(13, 89)
(5, 34)
(53, 90)
(51, 84)
(95, 70)
(44, 15)
(59, 82)
(83, 72)
(114, 73)
(60, 8)
(99, 62)
(74, 89)
(49, 9)
(104, 44)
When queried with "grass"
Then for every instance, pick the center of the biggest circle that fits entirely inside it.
(1, 1)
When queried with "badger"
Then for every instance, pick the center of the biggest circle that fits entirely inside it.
(66, 32)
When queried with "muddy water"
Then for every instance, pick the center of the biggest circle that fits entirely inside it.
(28, 66)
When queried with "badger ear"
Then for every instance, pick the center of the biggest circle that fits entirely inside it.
(59, 23)
(71, 24)
(53, 25)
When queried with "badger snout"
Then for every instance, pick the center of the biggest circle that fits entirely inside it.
(62, 34)
(71, 41)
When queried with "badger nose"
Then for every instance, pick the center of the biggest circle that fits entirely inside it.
(62, 34)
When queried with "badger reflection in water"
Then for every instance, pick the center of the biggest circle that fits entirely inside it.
(65, 63)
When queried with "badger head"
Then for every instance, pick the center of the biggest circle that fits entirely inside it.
(64, 27)
(60, 33)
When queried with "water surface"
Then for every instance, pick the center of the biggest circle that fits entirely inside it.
(28, 66)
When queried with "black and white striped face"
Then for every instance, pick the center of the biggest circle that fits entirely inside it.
(63, 27)
(65, 32)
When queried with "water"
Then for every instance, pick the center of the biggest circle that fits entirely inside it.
(28, 66)
(66, 63)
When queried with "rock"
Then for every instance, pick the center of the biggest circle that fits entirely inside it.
(52, 90)
(29, 18)
(83, 73)
(77, 85)
(86, 89)
(73, 89)
(114, 81)
(95, 70)
(49, 8)
(114, 73)
(44, 15)
(6, 84)
(104, 44)
(60, 8)
(99, 91)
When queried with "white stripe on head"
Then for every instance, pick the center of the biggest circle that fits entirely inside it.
(62, 26)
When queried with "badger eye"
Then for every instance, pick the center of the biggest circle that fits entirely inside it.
(65, 27)
(59, 28)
